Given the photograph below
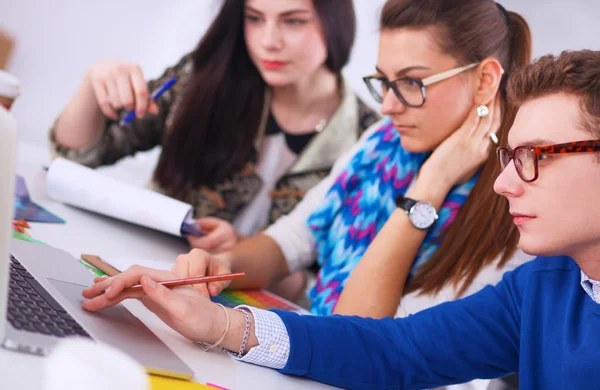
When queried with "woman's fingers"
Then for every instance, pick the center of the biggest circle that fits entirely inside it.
(486, 122)
(100, 279)
(470, 125)
(209, 223)
(125, 90)
(220, 235)
(103, 99)
(133, 275)
(208, 242)
(98, 288)
(118, 85)
(140, 90)
(102, 301)
(497, 122)
(194, 264)
(490, 126)
(109, 292)
(167, 300)
(113, 286)
(215, 288)
(113, 93)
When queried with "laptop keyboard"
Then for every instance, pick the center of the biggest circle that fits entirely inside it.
(33, 309)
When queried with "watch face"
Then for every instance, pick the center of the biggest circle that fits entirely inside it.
(423, 215)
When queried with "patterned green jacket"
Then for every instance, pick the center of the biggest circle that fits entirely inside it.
(226, 199)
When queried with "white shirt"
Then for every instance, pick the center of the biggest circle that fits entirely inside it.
(591, 287)
(273, 162)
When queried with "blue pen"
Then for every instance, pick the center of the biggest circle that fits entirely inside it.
(158, 93)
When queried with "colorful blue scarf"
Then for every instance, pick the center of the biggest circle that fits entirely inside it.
(360, 202)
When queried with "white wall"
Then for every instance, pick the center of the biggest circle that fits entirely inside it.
(57, 39)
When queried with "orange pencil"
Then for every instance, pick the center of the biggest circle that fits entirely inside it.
(183, 282)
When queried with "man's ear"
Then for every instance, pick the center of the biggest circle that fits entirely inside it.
(490, 74)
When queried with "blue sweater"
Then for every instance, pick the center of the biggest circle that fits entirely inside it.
(538, 321)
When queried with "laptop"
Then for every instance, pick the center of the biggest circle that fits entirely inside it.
(43, 304)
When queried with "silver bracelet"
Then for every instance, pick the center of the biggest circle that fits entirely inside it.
(246, 332)
(206, 346)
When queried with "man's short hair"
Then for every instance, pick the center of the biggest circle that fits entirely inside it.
(575, 73)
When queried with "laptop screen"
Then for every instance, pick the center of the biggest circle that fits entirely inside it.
(7, 189)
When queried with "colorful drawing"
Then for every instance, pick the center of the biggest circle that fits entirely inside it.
(258, 298)
(26, 210)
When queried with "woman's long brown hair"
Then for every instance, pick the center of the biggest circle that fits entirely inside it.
(470, 30)
(218, 119)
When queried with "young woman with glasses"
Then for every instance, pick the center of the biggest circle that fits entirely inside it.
(449, 234)
(258, 115)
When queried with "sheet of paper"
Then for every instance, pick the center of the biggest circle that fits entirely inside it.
(122, 263)
(83, 187)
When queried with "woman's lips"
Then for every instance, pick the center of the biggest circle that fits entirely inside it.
(273, 65)
(403, 128)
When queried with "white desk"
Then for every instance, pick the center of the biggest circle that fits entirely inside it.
(85, 232)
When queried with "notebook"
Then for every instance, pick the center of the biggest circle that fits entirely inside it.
(80, 186)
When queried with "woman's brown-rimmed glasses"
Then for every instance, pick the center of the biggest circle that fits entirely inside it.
(410, 91)
(526, 157)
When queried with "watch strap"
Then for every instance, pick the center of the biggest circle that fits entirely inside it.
(405, 203)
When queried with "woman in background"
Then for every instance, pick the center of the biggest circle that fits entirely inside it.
(259, 114)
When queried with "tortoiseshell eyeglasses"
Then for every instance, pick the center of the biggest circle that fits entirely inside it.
(526, 157)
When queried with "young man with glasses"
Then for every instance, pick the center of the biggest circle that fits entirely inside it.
(541, 320)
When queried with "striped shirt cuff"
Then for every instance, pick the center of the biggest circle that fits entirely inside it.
(273, 347)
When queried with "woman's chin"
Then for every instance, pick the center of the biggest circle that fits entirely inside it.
(416, 144)
(276, 80)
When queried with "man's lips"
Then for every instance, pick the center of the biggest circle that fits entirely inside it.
(519, 219)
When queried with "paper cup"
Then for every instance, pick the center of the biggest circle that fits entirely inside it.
(10, 89)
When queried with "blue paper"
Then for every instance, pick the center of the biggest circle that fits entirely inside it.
(26, 210)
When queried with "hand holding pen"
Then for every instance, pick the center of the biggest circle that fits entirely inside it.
(121, 85)
(108, 291)
(131, 115)
(183, 308)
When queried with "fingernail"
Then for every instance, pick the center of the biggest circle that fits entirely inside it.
(149, 282)
(107, 289)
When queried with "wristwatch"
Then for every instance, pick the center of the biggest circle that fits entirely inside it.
(421, 214)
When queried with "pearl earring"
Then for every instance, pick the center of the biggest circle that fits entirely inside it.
(482, 111)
